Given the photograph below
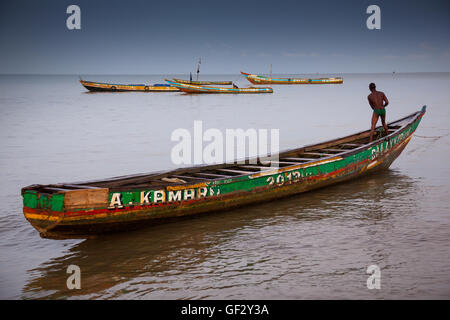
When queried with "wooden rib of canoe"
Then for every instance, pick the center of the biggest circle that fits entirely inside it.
(99, 86)
(256, 79)
(202, 83)
(79, 210)
(189, 88)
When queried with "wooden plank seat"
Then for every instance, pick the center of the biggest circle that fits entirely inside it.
(189, 177)
(257, 167)
(235, 171)
(353, 145)
(335, 150)
(300, 159)
(212, 175)
(317, 154)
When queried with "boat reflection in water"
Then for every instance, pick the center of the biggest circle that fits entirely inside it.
(210, 256)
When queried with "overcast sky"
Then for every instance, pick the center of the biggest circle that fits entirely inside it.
(162, 37)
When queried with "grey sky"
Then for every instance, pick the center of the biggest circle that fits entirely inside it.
(162, 37)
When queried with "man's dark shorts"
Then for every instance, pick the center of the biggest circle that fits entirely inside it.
(380, 112)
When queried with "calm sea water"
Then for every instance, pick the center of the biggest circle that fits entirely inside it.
(313, 246)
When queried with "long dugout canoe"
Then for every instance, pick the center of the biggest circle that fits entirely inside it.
(100, 86)
(189, 88)
(83, 209)
(202, 83)
(257, 79)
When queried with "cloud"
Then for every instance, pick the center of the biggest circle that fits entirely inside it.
(417, 56)
(391, 56)
(300, 54)
(446, 53)
(411, 56)
(427, 46)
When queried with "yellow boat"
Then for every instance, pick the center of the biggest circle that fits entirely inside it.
(201, 83)
(99, 86)
(257, 79)
(189, 88)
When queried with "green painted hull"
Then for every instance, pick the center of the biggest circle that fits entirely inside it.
(81, 213)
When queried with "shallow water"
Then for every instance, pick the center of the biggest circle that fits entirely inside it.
(313, 246)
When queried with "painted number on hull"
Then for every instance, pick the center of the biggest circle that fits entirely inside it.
(293, 176)
(280, 179)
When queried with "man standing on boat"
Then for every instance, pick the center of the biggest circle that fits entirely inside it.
(378, 101)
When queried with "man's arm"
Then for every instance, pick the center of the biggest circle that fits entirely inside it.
(385, 99)
(370, 102)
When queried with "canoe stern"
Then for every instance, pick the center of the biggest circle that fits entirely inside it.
(45, 210)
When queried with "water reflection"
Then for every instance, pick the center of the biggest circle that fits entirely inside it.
(257, 244)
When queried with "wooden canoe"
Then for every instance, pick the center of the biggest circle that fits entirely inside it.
(99, 86)
(79, 210)
(256, 79)
(202, 83)
(189, 88)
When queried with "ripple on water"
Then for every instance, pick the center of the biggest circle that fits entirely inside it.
(313, 246)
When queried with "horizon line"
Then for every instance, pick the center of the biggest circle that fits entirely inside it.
(207, 74)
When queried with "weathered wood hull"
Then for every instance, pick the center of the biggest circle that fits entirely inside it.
(109, 87)
(202, 83)
(189, 88)
(57, 211)
(256, 79)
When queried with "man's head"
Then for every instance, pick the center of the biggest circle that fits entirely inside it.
(372, 86)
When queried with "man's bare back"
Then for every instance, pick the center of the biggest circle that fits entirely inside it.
(377, 101)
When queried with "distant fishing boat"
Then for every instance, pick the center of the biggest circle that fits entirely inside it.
(195, 82)
(256, 79)
(99, 86)
(189, 88)
(201, 83)
(79, 210)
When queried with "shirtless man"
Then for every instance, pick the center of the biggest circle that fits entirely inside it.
(378, 102)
